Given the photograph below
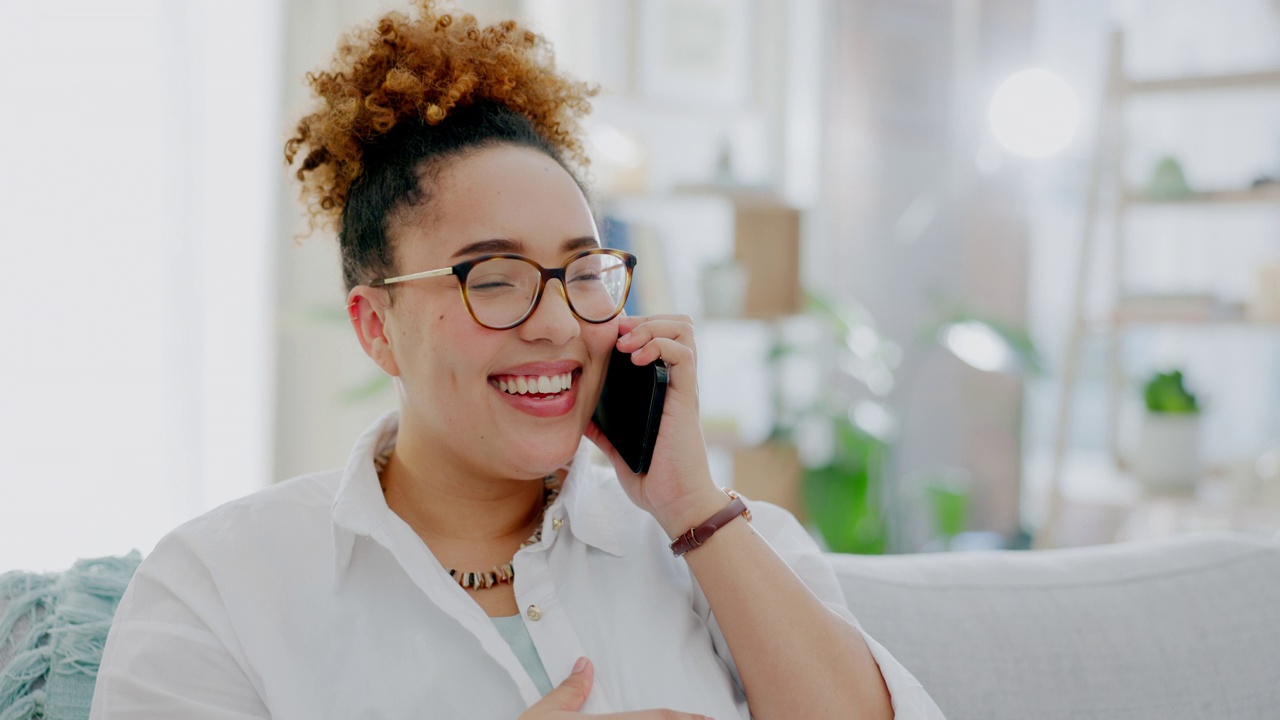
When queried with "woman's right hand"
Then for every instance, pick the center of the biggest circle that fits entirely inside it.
(564, 701)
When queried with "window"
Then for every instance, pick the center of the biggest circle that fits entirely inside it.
(138, 203)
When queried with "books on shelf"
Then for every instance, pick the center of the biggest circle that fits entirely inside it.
(1176, 308)
(1262, 194)
(1194, 83)
(650, 291)
(1264, 305)
(1262, 310)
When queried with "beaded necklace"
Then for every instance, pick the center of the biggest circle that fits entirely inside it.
(505, 572)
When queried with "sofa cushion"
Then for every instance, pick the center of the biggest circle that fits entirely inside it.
(1187, 627)
(52, 631)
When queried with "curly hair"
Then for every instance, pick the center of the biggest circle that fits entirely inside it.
(404, 95)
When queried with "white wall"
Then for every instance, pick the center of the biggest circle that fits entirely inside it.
(136, 207)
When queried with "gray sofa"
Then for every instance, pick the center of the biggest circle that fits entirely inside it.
(1182, 628)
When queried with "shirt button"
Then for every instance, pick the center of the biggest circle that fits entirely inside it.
(556, 523)
(534, 613)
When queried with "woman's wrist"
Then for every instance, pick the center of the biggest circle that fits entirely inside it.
(694, 511)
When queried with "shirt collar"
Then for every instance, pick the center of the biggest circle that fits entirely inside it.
(359, 508)
(590, 502)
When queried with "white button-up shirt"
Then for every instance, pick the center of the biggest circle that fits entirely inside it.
(312, 599)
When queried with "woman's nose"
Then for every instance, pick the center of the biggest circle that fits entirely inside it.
(552, 319)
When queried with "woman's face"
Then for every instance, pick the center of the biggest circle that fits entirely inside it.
(451, 369)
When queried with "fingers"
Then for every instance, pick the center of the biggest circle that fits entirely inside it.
(667, 336)
(640, 329)
(569, 695)
(628, 323)
(652, 715)
(671, 352)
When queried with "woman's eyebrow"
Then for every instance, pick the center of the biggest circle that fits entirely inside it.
(580, 243)
(503, 245)
(496, 245)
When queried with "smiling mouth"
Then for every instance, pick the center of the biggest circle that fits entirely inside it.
(540, 386)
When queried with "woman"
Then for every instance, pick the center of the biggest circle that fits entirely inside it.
(470, 561)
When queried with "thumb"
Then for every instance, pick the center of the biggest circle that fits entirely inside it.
(573, 692)
(630, 482)
(596, 436)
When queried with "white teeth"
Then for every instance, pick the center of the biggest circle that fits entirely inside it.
(542, 385)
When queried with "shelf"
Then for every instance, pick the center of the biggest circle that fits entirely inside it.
(1194, 83)
(1129, 312)
(1191, 320)
(1265, 195)
(1103, 503)
(1183, 310)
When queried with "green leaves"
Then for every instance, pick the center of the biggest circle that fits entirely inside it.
(1165, 393)
(843, 497)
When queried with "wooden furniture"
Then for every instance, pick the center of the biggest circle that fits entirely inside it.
(1128, 310)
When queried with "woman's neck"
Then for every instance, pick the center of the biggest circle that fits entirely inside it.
(451, 501)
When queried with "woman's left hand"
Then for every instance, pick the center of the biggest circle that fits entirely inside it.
(677, 490)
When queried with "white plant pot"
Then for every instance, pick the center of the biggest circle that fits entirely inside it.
(1169, 451)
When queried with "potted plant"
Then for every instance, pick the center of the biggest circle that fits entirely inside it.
(853, 491)
(1169, 441)
(842, 458)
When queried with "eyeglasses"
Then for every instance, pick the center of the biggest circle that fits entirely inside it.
(502, 290)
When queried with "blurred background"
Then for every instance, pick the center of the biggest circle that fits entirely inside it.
(966, 273)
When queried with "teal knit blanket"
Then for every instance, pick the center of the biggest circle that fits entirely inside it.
(53, 627)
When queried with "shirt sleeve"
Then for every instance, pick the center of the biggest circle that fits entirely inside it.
(798, 549)
(168, 653)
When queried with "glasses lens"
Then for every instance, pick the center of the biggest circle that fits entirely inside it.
(500, 291)
(597, 286)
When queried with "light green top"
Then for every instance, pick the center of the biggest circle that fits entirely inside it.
(516, 634)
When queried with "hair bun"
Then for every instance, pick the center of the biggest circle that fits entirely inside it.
(420, 69)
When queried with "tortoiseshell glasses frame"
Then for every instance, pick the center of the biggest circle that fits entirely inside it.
(498, 289)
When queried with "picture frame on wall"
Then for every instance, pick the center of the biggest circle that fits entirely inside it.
(695, 52)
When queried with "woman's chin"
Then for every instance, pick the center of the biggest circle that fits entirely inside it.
(541, 457)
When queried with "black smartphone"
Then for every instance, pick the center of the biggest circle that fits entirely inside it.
(630, 408)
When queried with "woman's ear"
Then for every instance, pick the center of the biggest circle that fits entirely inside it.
(367, 310)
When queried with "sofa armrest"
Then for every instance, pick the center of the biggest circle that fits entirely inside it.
(1187, 627)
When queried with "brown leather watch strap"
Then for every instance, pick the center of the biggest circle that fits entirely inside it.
(698, 535)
